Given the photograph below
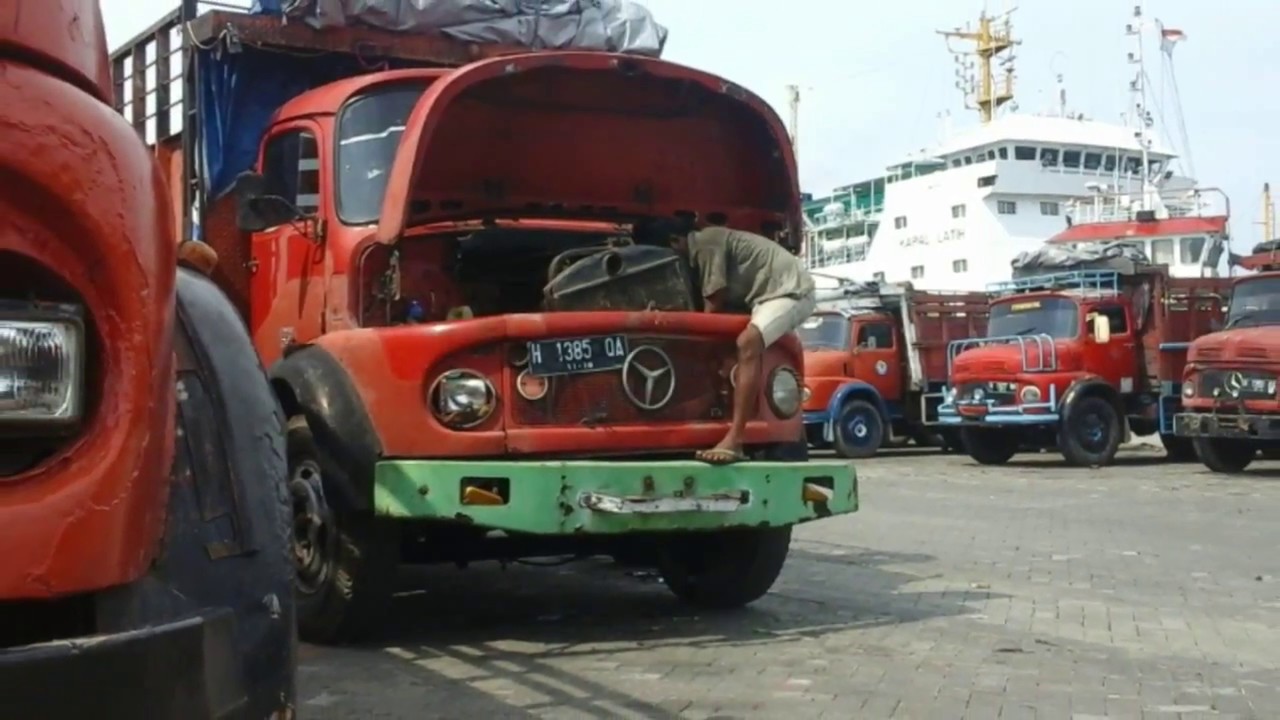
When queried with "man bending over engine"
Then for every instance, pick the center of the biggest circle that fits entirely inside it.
(741, 269)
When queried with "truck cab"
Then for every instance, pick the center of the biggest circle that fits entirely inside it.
(476, 358)
(1232, 410)
(875, 365)
(1076, 361)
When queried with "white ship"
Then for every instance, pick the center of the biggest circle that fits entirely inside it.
(953, 218)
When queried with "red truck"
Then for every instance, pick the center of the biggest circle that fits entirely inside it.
(143, 504)
(875, 361)
(1232, 409)
(1077, 360)
(433, 254)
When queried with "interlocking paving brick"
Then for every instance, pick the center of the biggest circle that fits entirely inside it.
(1145, 590)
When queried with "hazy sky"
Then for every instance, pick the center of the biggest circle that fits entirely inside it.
(874, 79)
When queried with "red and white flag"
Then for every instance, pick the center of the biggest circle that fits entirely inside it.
(1170, 37)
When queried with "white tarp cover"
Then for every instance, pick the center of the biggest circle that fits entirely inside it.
(609, 25)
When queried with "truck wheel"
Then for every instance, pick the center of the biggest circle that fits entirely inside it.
(724, 569)
(1225, 455)
(858, 430)
(1179, 449)
(346, 563)
(989, 447)
(1090, 434)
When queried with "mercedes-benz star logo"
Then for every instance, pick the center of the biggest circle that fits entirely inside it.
(656, 376)
(1234, 383)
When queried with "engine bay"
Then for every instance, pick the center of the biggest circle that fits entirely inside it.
(499, 271)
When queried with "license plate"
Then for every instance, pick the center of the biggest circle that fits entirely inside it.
(568, 356)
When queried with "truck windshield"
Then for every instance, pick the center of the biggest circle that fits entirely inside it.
(1057, 317)
(1255, 302)
(369, 131)
(825, 332)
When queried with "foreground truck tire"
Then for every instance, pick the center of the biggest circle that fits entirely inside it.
(730, 568)
(346, 562)
(1225, 455)
(209, 630)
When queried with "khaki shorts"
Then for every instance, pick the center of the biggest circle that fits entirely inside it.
(779, 316)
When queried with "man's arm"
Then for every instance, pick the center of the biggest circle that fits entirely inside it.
(709, 255)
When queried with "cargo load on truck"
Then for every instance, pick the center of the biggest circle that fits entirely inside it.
(1122, 257)
(621, 26)
(876, 363)
(1079, 359)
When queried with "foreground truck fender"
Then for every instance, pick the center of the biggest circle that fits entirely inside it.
(142, 499)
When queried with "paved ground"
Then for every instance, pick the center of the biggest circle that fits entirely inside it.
(1145, 590)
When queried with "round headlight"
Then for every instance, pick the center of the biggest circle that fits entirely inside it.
(806, 394)
(1029, 394)
(462, 398)
(1188, 389)
(785, 392)
(979, 395)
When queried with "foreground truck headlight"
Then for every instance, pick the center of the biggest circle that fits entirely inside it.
(785, 392)
(41, 364)
(1189, 389)
(462, 398)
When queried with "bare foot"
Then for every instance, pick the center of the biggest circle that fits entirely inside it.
(726, 452)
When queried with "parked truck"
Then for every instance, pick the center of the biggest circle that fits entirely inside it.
(143, 511)
(433, 253)
(1232, 409)
(1079, 360)
(876, 365)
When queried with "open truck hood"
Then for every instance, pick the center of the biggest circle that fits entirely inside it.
(588, 135)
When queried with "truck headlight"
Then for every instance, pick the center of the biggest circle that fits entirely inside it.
(1188, 389)
(41, 364)
(805, 394)
(462, 398)
(785, 392)
(1029, 394)
(948, 395)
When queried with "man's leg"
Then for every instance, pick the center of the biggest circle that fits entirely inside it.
(770, 320)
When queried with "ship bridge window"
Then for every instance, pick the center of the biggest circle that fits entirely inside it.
(1071, 159)
(1109, 163)
(1007, 207)
(917, 272)
(1049, 157)
(1024, 152)
(1191, 249)
(1162, 251)
(1155, 166)
(1133, 165)
(955, 162)
(1002, 152)
(968, 160)
(1092, 161)
(1048, 207)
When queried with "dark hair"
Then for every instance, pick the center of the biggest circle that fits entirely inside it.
(660, 231)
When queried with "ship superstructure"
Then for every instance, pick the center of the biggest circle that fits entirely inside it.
(953, 217)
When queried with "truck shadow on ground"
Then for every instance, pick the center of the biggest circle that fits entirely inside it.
(533, 631)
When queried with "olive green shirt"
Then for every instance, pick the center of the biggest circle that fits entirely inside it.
(750, 268)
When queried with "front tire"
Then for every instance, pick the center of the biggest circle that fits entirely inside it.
(724, 569)
(989, 447)
(1225, 455)
(1091, 433)
(859, 430)
(346, 563)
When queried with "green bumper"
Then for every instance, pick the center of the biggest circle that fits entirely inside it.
(602, 497)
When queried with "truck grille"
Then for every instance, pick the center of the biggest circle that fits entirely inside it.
(702, 391)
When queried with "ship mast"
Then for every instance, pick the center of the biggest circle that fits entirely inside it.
(990, 40)
(1138, 88)
(1268, 214)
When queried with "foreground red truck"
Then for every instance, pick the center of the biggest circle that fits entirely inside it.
(1232, 409)
(875, 362)
(476, 361)
(1077, 361)
(143, 512)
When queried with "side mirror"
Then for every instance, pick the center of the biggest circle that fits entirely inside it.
(256, 210)
(1101, 329)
